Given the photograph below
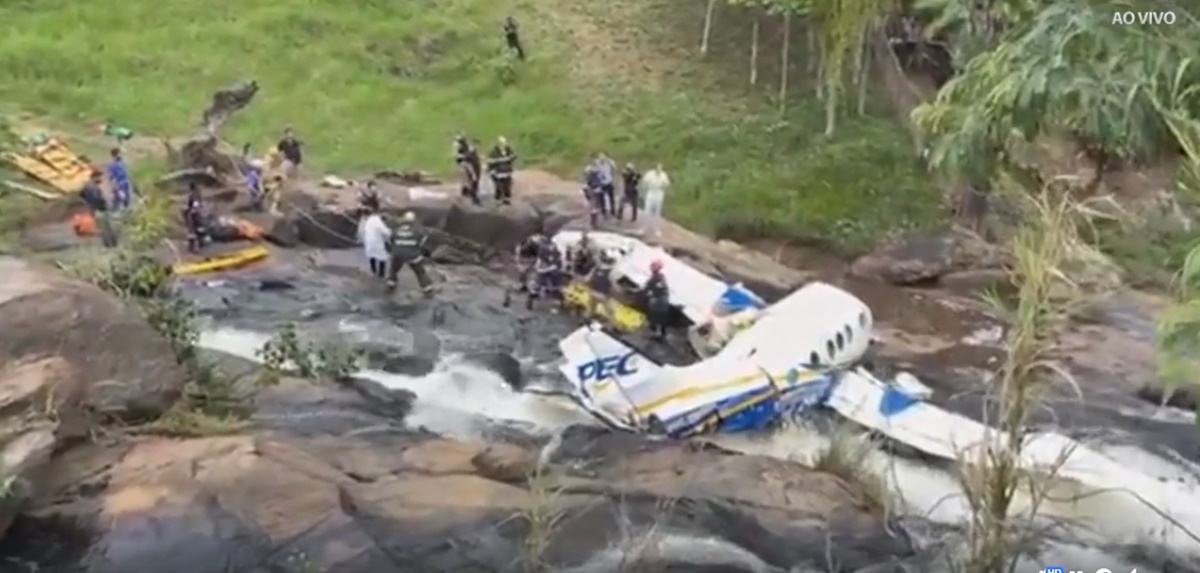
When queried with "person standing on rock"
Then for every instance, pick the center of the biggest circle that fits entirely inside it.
(512, 37)
(407, 247)
(193, 219)
(607, 169)
(501, 162)
(292, 149)
(93, 197)
(592, 194)
(656, 183)
(631, 178)
(122, 185)
(374, 234)
(469, 167)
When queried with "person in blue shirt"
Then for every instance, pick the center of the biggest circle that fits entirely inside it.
(254, 183)
(118, 174)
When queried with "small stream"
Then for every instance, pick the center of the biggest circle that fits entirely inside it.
(329, 298)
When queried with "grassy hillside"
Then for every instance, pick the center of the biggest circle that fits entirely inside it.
(374, 84)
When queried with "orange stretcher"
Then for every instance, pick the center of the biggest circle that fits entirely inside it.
(54, 164)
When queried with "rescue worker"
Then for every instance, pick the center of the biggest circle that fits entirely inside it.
(583, 256)
(461, 149)
(407, 247)
(292, 150)
(593, 194)
(630, 196)
(97, 205)
(601, 278)
(374, 235)
(526, 255)
(658, 301)
(122, 185)
(254, 184)
(512, 37)
(501, 162)
(547, 271)
(193, 219)
(469, 167)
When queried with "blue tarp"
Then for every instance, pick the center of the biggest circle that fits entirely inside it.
(738, 298)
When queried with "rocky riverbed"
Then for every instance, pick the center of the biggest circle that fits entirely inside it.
(429, 462)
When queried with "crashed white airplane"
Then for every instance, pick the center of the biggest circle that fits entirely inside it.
(788, 359)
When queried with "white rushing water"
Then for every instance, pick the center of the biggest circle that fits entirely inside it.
(457, 397)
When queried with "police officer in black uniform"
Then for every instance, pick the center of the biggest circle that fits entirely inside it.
(630, 196)
(658, 301)
(501, 162)
(407, 247)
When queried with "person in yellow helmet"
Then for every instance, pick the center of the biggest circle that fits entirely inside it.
(407, 247)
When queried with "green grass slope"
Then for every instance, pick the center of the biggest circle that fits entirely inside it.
(374, 84)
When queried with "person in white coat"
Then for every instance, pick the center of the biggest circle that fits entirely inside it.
(373, 235)
(655, 182)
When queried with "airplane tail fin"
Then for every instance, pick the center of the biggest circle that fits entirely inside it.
(600, 366)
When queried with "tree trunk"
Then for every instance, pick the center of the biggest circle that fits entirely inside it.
(820, 56)
(810, 33)
(783, 61)
(863, 75)
(708, 18)
(831, 108)
(754, 52)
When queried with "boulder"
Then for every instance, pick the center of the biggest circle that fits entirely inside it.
(920, 259)
(70, 356)
(402, 502)
(113, 363)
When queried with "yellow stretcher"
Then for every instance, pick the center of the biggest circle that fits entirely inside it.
(577, 296)
(54, 164)
(234, 260)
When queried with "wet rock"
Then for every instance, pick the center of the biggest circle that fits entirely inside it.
(397, 501)
(501, 363)
(326, 229)
(923, 258)
(978, 281)
(395, 403)
(451, 255)
(112, 362)
(1184, 397)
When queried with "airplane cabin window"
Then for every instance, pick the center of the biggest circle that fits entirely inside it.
(814, 359)
(829, 347)
(841, 342)
(849, 334)
(862, 319)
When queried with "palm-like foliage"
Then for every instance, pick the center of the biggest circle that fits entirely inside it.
(1068, 68)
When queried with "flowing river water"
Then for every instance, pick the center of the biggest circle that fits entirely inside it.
(330, 300)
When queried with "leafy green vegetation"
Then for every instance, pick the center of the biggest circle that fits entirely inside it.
(386, 84)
